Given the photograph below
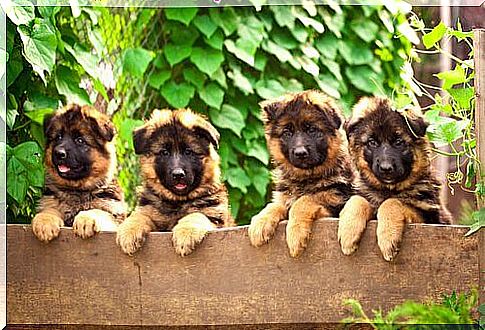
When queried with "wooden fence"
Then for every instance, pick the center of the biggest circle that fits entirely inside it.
(227, 281)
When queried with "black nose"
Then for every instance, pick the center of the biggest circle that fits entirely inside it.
(386, 167)
(178, 174)
(300, 152)
(61, 153)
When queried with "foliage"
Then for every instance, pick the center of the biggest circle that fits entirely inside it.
(453, 309)
(222, 61)
(451, 115)
(49, 51)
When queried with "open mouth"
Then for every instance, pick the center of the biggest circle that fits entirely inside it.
(63, 168)
(180, 186)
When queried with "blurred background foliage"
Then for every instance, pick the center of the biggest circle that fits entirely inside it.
(220, 62)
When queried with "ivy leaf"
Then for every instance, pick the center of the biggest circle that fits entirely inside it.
(184, 15)
(434, 36)
(37, 116)
(284, 39)
(329, 85)
(205, 25)
(237, 178)
(462, 96)
(176, 53)
(447, 131)
(178, 96)
(126, 130)
(335, 23)
(84, 57)
(300, 33)
(259, 175)
(258, 151)
(216, 40)
(40, 44)
(269, 89)
(364, 78)
(207, 60)
(19, 11)
(365, 29)
(195, 77)
(243, 49)
(228, 117)
(308, 65)
(281, 53)
(327, 45)
(227, 19)
(333, 67)
(212, 95)
(67, 83)
(17, 182)
(452, 77)
(354, 53)
(136, 61)
(240, 81)
(283, 16)
(158, 78)
(220, 77)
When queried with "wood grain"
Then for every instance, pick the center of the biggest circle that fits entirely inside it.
(227, 281)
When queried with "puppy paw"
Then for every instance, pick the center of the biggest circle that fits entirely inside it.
(130, 237)
(388, 239)
(46, 226)
(85, 225)
(297, 237)
(186, 238)
(261, 230)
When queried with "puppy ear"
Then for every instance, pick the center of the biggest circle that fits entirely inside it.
(332, 118)
(103, 128)
(207, 131)
(418, 126)
(270, 109)
(140, 140)
(350, 125)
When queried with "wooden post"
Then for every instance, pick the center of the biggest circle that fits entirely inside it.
(479, 56)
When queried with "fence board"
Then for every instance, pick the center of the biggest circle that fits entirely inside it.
(227, 281)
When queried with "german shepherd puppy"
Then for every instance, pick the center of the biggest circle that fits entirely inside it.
(182, 191)
(80, 190)
(312, 172)
(394, 179)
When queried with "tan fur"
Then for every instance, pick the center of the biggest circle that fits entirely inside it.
(353, 220)
(189, 232)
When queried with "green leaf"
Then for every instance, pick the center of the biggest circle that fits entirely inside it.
(447, 131)
(452, 77)
(252, 30)
(335, 23)
(11, 116)
(365, 29)
(180, 34)
(327, 45)
(308, 65)
(220, 77)
(205, 25)
(14, 66)
(88, 61)
(364, 78)
(38, 115)
(243, 49)
(195, 77)
(462, 96)
(40, 43)
(269, 89)
(216, 40)
(241, 81)
(158, 78)
(281, 53)
(258, 151)
(176, 53)
(259, 175)
(355, 53)
(136, 61)
(98, 85)
(29, 154)
(283, 16)
(300, 33)
(284, 39)
(19, 11)
(228, 117)
(212, 95)
(237, 178)
(184, 15)
(126, 130)
(328, 84)
(178, 96)
(207, 60)
(17, 182)
(333, 67)
(67, 83)
(434, 36)
(226, 18)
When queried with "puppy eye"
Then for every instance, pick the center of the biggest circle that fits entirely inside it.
(372, 143)
(311, 129)
(59, 137)
(80, 140)
(287, 131)
(187, 152)
(398, 142)
(164, 152)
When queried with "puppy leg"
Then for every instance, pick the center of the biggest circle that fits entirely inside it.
(301, 216)
(47, 224)
(190, 231)
(131, 233)
(87, 223)
(263, 225)
(353, 220)
(392, 216)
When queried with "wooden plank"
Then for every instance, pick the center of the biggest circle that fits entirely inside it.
(227, 281)
(479, 59)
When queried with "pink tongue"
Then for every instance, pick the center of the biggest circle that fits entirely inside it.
(63, 168)
(180, 186)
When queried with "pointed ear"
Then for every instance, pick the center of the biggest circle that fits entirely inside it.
(140, 140)
(349, 125)
(418, 126)
(270, 109)
(207, 131)
(103, 128)
(331, 116)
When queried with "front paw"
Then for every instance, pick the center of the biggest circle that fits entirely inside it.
(261, 230)
(85, 225)
(46, 227)
(297, 236)
(388, 239)
(347, 237)
(130, 237)
(186, 238)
